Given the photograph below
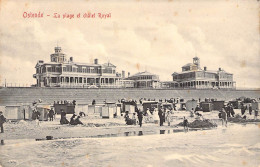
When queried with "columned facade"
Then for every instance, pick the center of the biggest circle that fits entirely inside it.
(61, 72)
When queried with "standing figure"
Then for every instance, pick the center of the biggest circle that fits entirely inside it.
(185, 123)
(168, 118)
(243, 109)
(256, 113)
(2, 121)
(51, 114)
(140, 117)
(250, 109)
(228, 111)
(160, 113)
(232, 112)
(224, 117)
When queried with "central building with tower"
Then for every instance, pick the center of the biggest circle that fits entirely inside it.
(63, 72)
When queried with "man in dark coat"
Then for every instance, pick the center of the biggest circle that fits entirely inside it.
(2, 121)
(250, 110)
(160, 113)
(140, 117)
(243, 109)
(51, 114)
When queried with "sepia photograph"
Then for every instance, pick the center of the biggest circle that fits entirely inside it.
(144, 83)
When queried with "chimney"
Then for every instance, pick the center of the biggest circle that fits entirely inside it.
(205, 68)
(71, 58)
(123, 74)
(96, 61)
(128, 74)
(219, 69)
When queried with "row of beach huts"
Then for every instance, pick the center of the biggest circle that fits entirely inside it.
(116, 109)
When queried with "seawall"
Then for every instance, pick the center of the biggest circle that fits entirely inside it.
(12, 96)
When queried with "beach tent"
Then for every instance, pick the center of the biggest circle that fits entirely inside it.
(191, 104)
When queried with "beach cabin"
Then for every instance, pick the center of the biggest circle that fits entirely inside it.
(68, 108)
(167, 105)
(149, 104)
(191, 104)
(236, 104)
(206, 106)
(110, 110)
(128, 106)
(107, 112)
(81, 108)
(44, 110)
(13, 112)
(218, 105)
(255, 106)
(27, 112)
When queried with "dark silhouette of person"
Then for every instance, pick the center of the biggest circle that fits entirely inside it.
(51, 114)
(77, 121)
(2, 121)
(63, 119)
(140, 117)
(160, 113)
(72, 120)
(250, 110)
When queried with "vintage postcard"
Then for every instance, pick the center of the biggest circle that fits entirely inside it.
(129, 83)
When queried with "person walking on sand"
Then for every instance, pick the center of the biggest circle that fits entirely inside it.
(185, 123)
(232, 112)
(140, 117)
(243, 109)
(224, 117)
(2, 121)
(256, 113)
(160, 113)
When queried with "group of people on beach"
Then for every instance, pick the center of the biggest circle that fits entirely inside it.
(74, 120)
(162, 114)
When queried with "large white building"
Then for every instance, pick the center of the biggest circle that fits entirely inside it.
(63, 72)
(193, 77)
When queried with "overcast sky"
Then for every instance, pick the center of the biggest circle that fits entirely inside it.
(157, 36)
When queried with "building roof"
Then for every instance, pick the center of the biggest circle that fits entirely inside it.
(108, 64)
(188, 65)
(142, 74)
(208, 71)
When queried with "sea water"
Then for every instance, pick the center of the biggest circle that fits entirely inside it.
(236, 145)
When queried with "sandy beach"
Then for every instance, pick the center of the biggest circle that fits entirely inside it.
(109, 142)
